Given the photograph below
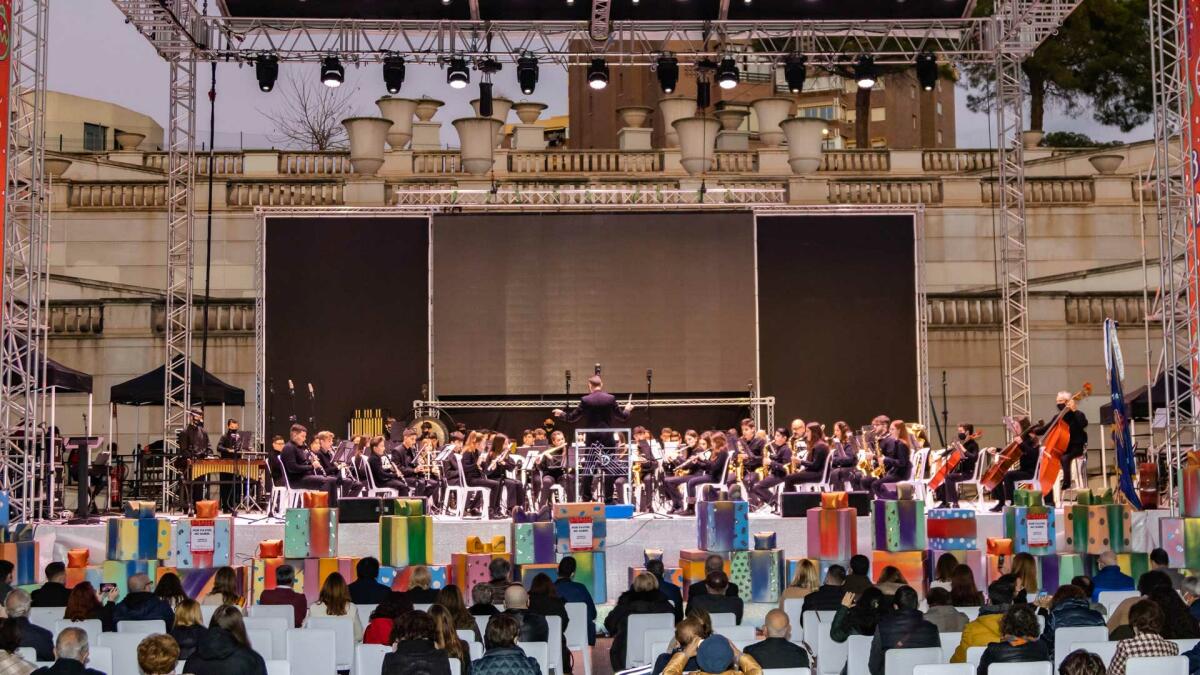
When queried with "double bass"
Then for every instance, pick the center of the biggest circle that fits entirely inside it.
(1006, 459)
(1054, 443)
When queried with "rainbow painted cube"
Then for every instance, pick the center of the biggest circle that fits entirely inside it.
(832, 533)
(577, 524)
(138, 539)
(951, 529)
(1031, 528)
(758, 574)
(899, 525)
(533, 543)
(591, 572)
(202, 542)
(531, 570)
(198, 582)
(118, 572)
(405, 540)
(310, 533)
(723, 526)
(24, 557)
(910, 563)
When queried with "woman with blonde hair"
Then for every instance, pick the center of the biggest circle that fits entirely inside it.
(225, 589)
(1024, 568)
(334, 600)
(804, 581)
(419, 586)
(447, 638)
(189, 628)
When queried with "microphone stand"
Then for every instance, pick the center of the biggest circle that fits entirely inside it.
(649, 379)
(292, 402)
(312, 408)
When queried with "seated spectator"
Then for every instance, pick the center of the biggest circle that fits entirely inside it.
(446, 638)
(673, 593)
(686, 631)
(1082, 662)
(1147, 620)
(963, 591)
(382, 622)
(502, 655)
(943, 571)
(859, 578)
(189, 629)
(858, 616)
(420, 590)
(641, 598)
(139, 604)
(334, 600)
(516, 604)
(225, 589)
(226, 650)
(806, 580)
(829, 596)
(904, 628)
(6, 578)
(11, 663)
(170, 589)
(1191, 595)
(573, 591)
(776, 650)
(985, 629)
(1069, 608)
(84, 604)
(1085, 584)
(366, 590)
(284, 593)
(157, 655)
(1110, 577)
(450, 597)
(712, 563)
(714, 600)
(70, 654)
(1020, 643)
(482, 601)
(942, 614)
(1025, 569)
(890, 580)
(415, 653)
(54, 592)
(500, 571)
(16, 605)
(1160, 562)
(1153, 585)
(544, 600)
(714, 656)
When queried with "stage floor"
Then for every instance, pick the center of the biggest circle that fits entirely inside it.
(627, 539)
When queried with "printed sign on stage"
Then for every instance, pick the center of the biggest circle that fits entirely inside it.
(581, 534)
(1038, 529)
(204, 537)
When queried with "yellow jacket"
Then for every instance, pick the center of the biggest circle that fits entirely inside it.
(979, 633)
(746, 666)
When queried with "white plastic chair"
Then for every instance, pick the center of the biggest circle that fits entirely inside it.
(809, 627)
(971, 613)
(100, 658)
(539, 651)
(424, 607)
(1110, 599)
(278, 667)
(368, 659)
(282, 495)
(285, 612)
(343, 631)
(455, 666)
(577, 634)
(92, 627)
(124, 650)
(277, 627)
(902, 661)
(831, 656)
(738, 633)
(949, 642)
(792, 607)
(720, 488)
(147, 627)
(476, 650)
(635, 629)
(943, 669)
(28, 653)
(462, 493)
(466, 635)
(554, 642)
(482, 622)
(1032, 668)
(1151, 665)
(46, 616)
(787, 671)
(260, 641)
(308, 651)
(974, 655)
(374, 490)
(1065, 637)
(720, 619)
(1105, 650)
(206, 611)
(656, 641)
(823, 486)
(858, 654)
(364, 614)
(975, 478)
(1186, 645)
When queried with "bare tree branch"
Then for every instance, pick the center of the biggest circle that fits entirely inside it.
(311, 115)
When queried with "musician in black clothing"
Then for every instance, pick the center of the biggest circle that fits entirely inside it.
(229, 443)
(470, 458)
(404, 461)
(551, 468)
(304, 471)
(1025, 468)
(496, 465)
(1077, 442)
(947, 492)
(193, 445)
(648, 469)
(811, 469)
(897, 462)
(383, 471)
(597, 409)
(843, 466)
(714, 470)
(779, 457)
(689, 460)
(350, 487)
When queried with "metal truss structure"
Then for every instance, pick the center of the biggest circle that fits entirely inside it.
(26, 237)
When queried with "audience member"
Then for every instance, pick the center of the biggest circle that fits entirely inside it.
(516, 605)
(829, 596)
(1082, 662)
(450, 597)
(806, 580)
(170, 589)
(11, 663)
(157, 655)
(225, 589)
(1160, 561)
(483, 601)
(1086, 585)
(1110, 577)
(16, 605)
(54, 592)
(641, 598)
(1147, 620)
(859, 578)
(712, 563)
(943, 571)
(420, 586)
(1019, 644)
(334, 600)
(544, 600)
(670, 591)
(226, 650)
(6, 577)
(963, 590)
(382, 622)
(1191, 595)
(776, 650)
(1155, 585)
(1069, 608)
(714, 656)
(366, 590)
(714, 600)
(890, 580)
(942, 614)
(903, 628)
(691, 628)
(502, 655)
(446, 638)
(500, 573)
(284, 593)
(415, 652)
(189, 629)
(573, 591)
(858, 615)
(70, 655)
(985, 629)
(84, 604)
(1025, 569)
(139, 604)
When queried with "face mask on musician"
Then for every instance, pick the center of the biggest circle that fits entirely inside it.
(1060, 406)
(962, 436)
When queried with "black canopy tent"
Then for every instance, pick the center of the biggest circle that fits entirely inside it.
(1139, 400)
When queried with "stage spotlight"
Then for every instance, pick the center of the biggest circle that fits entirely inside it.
(266, 69)
(393, 73)
(667, 69)
(527, 73)
(457, 75)
(727, 73)
(927, 70)
(445, 2)
(795, 69)
(332, 72)
(598, 74)
(864, 71)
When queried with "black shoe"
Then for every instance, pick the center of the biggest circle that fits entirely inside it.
(998, 508)
(942, 505)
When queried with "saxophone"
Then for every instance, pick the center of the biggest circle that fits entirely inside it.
(766, 462)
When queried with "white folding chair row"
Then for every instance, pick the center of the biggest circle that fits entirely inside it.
(739, 633)
(455, 666)
(207, 612)
(280, 611)
(277, 627)
(792, 607)
(1185, 645)
(308, 651)
(145, 627)
(46, 616)
(655, 641)
(1110, 599)
(424, 607)
(635, 629)
(858, 654)
(539, 651)
(1026, 668)
(343, 637)
(101, 658)
(467, 635)
(368, 659)
(944, 669)
(1065, 637)
(903, 661)
(364, 614)
(1105, 650)
(787, 671)
(577, 634)
(949, 642)
(260, 641)
(92, 627)
(476, 650)
(723, 619)
(279, 667)
(481, 622)
(27, 653)
(554, 642)
(1157, 665)
(831, 656)
(971, 613)
(124, 651)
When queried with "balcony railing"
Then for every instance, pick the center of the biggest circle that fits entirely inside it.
(110, 195)
(77, 318)
(878, 161)
(223, 317)
(584, 161)
(314, 163)
(290, 193)
(957, 161)
(1046, 191)
(224, 163)
(885, 191)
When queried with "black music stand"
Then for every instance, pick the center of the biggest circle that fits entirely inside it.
(84, 445)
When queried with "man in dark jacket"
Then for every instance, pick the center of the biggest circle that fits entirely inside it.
(715, 601)
(17, 606)
(142, 605)
(905, 628)
(642, 598)
(777, 650)
(54, 592)
(859, 578)
(365, 590)
(301, 466)
(533, 626)
(70, 655)
(597, 409)
(668, 589)
(284, 594)
(712, 563)
(1071, 610)
(573, 591)
(829, 596)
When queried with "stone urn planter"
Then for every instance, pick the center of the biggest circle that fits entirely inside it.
(697, 138)
(771, 112)
(1106, 165)
(1032, 139)
(477, 142)
(367, 135)
(55, 167)
(731, 120)
(127, 140)
(804, 137)
(528, 112)
(634, 116)
(400, 111)
(427, 108)
(500, 108)
(675, 108)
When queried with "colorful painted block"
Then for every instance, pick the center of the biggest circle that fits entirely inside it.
(24, 555)
(591, 572)
(1134, 564)
(262, 574)
(764, 541)
(1099, 528)
(758, 574)
(405, 540)
(118, 572)
(139, 539)
(1189, 486)
(899, 525)
(202, 542)
(387, 576)
(910, 563)
(951, 529)
(1025, 497)
(673, 575)
(310, 533)
(531, 570)
(691, 562)
(618, 511)
(139, 509)
(972, 558)
(1057, 570)
(723, 526)
(439, 577)
(1191, 543)
(4, 509)
(198, 582)
(832, 533)
(1171, 538)
(997, 566)
(92, 574)
(468, 569)
(1031, 528)
(792, 564)
(404, 506)
(576, 523)
(533, 543)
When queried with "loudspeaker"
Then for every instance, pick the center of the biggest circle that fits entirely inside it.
(360, 509)
(797, 504)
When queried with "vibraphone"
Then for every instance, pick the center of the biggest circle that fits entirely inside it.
(251, 469)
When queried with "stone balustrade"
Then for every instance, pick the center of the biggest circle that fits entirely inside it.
(290, 193)
(76, 318)
(954, 311)
(224, 316)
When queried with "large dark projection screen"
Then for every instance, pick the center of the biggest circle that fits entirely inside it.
(520, 298)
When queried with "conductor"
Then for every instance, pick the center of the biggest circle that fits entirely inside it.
(597, 409)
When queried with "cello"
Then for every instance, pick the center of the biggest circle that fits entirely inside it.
(1054, 443)
(954, 455)
(1006, 459)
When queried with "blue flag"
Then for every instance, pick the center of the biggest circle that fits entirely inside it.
(1122, 442)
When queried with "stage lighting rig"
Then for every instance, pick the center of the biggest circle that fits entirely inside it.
(393, 73)
(865, 72)
(927, 70)
(332, 72)
(598, 74)
(457, 75)
(727, 73)
(795, 70)
(667, 69)
(527, 73)
(266, 71)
